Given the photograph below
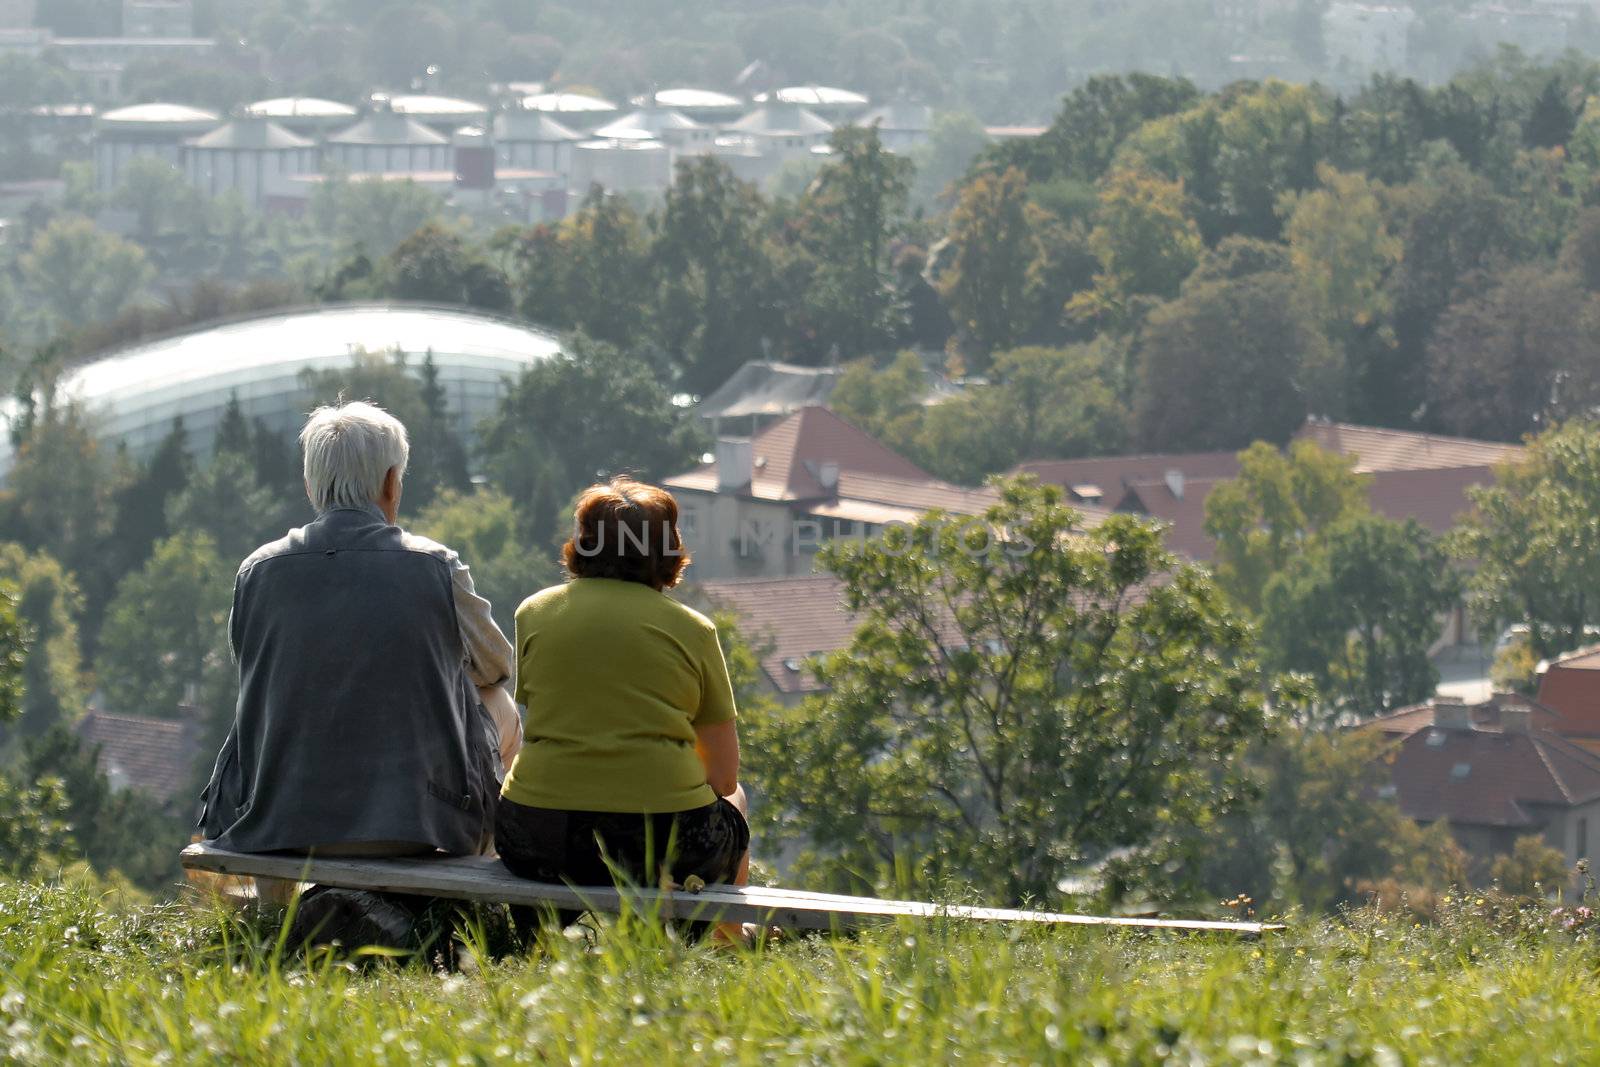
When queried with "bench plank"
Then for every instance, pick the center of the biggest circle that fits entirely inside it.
(485, 879)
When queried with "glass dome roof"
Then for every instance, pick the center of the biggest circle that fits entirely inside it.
(132, 396)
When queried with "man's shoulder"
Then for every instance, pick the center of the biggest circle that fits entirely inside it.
(412, 542)
(312, 538)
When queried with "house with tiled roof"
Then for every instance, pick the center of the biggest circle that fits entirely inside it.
(155, 757)
(766, 503)
(787, 621)
(1410, 475)
(1570, 685)
(1493, 772)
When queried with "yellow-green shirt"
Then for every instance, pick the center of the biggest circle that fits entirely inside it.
(615, 677)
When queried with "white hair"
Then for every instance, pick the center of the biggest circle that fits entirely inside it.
(349, 449)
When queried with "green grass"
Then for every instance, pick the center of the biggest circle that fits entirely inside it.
(175, 984)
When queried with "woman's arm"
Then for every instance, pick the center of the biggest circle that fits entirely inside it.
(718, 748)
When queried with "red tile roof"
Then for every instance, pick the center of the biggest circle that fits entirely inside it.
(1380, 449)
(1184, 515)
(1570, 684)
(151, 756)
(1403, 722)
(788, 453)
(793, 617)
(1435, 497)
(1112, 474)
(876, 484)
(1485, 774)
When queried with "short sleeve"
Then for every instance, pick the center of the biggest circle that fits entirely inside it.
(716, 691)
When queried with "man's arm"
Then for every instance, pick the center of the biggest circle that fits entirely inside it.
(489, 660)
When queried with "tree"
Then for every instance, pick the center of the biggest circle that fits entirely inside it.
(371, 216)
(1246, 348)
(1531, 540)
(117, 830)
(48, 606)
(438, 265)
(164, 641)
(1145, 241)
(76, 273)
(58, 492)
(1341, 250)
(1007, 710)
(1311, 829)
(1456, 231)
(1094, 120)
(993, 244)
(1265, 517)
(1551, 122)
(1043, 403)
(485, 528)
(714, 303)
(139, 508)
(1358, 610)
(33, 827)
(156, 192)
(587, 414)
(847, 217)
(607, 269)
(225, 502)
(1517, 358)
(1531, 869)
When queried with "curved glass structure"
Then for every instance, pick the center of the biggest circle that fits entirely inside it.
(133, 395)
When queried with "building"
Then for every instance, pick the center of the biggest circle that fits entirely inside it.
(251, 156)
(1493, 772)
(533, 140)
(787, 621)
(159, 130)
(762, 391)
(158, 18)
(782, 130)
(1362, 39)
(901, 126)
(384, 141)
(102, 60)
(682, 134)
(442, 114)
(702, 105)
(1539, 29)
(1570, 686)
(132, 396)
(765, 504)
(308, 116)
(834, 104)
(156, 757)
(578, 110)
(622, 164)
(1411, 475)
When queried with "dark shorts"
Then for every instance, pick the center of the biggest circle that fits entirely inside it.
(550, 845)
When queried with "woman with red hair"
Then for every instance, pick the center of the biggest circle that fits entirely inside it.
(631, 757)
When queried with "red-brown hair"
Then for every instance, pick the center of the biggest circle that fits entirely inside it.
(628, 530)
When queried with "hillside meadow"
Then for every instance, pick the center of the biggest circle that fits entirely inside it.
(85, 982)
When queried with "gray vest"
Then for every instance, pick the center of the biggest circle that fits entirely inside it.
(356, 719)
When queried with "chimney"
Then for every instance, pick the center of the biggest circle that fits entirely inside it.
(1516, 720)
(735, 464)
(1451, 715)
(828, 475)
(1175, 483)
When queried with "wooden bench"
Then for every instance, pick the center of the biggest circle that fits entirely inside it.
(481, 878)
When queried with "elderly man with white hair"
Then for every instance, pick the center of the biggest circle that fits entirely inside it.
(372, 718)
